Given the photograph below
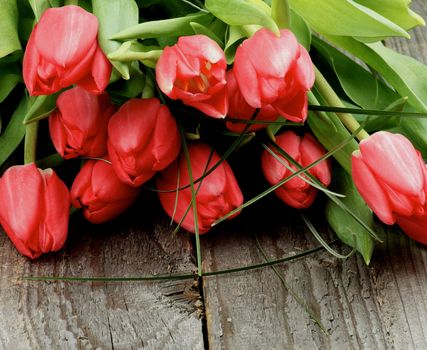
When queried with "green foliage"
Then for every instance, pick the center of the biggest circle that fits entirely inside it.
(14, 132)
(346, 18)
(9, 39)
(242, 12)
(345, 226)
(113, 16)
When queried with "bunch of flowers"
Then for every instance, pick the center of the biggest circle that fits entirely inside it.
(144, 101)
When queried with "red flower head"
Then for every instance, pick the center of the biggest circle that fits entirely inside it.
(390, 175)
(275, 71)
(34, 209)
(193, 70)
(79, 126)
(98, 190)
(218, 194)
(304, 150)
(63, 50)
(143, 139)
(238, 108)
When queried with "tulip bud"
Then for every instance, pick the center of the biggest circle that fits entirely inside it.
(275, 71)
(79, 126)
(63, 50)
(34, 209)
(143, 139)
(238, 108)
(100, 193)
(193, 70)
(390, 175)
(304, 150)
(217, 194)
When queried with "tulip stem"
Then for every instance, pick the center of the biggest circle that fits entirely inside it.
(31, 131)
(71, 2)
(333, 100)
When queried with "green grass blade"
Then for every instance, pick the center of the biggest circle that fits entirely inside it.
(322, 241)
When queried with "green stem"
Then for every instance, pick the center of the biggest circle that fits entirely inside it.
(31, 131)
(333, 100)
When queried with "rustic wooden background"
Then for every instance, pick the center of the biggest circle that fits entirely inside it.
(378, 307)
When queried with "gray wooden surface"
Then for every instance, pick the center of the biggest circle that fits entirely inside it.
(383, 306)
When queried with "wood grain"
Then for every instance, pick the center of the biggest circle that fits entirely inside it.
(85, 315)
(383, 306)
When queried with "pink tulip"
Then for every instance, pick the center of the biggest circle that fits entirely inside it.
(193, 70)
(390, 175)
(143, 139)
(34, 209)
(304, 150)
(63, 50)
(218, 194)
(79, 126)
(100, 193)
(238, 108)
(275, 71)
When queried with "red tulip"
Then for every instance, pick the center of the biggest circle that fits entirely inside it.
(275, 71)
(34, 209)
(414, 226)
(79, 127)
(304, 150)
(193, 70)
(98, 190)
(63, 50)
(217, 194)
(238, 108)
(143, 139)
(390, 175)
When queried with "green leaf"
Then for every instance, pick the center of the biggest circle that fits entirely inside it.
(405, 74)
(242, 12)
(280, 12)
(40, 107)
(235, 36)
(346, 18)
(134, 51)
(14, 132)
(10, 75)
(396, 11)
(201, 29)
(329, 136)
(345, 226)
(114, 16)
(359, 85)
(38, 7)
(123, 90)
(9, 40)
(165, 27)
(301, 30)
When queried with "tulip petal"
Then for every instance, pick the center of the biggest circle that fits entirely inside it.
(166, 71)
(370, 189)
(295, 110)
(414, 227)
(57, 204)
(304, 71)
(31, 64)
(65, 34)
(99, 77)
(163, 152)
(21, 188)
(247, 78)
(385, 153)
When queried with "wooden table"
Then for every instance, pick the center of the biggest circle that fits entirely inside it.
(376, 307)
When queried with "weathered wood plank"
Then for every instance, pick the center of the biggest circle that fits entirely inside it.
(137, 315)
(378, 307)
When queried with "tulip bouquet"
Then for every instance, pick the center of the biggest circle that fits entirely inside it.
(125, 96)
